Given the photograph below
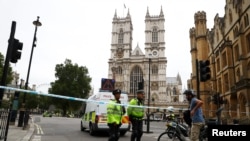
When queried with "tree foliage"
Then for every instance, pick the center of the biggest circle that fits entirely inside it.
(9, 74)
(71, 80)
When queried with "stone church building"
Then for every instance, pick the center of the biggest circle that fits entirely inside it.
(142, 65)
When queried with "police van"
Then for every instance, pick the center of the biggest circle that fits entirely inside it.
(95, 117)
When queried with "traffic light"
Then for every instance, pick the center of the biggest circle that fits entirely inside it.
(204, 70)
(16, 51)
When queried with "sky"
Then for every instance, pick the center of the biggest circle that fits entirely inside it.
(80, 30)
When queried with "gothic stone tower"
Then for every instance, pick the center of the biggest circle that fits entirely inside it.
(130, 67)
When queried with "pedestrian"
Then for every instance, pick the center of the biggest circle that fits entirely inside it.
(115, 111)
(195, 113)
(136, 114)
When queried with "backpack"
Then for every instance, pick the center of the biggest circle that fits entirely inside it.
(187, 118)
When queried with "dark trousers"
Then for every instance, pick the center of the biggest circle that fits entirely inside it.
(114, 132)
(137, 130)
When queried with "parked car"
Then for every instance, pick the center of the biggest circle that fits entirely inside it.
(47, 114)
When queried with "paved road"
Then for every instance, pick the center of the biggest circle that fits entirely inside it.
(68, 129)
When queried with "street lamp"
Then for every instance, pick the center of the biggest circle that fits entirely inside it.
(148, 114)
(36, 23)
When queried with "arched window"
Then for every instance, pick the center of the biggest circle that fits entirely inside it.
(154, 35)
(136, 76)
(120, 36)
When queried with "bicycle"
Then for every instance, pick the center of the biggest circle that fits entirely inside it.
(179, 132)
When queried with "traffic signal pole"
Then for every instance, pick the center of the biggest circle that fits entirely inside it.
(197, 79)
(7, 59)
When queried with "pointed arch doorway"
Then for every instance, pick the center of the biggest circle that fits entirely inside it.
(136, 76)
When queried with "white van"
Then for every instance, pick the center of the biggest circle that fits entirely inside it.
(95, 116)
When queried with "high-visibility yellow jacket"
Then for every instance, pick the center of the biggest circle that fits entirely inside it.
(137, 111)
(114, 112)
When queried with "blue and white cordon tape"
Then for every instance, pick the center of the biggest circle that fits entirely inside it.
(77, 99)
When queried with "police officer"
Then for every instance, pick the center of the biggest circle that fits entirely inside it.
(114, 115)
(171, 116)
(136, 114)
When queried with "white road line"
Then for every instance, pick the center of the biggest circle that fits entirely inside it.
(39, 130)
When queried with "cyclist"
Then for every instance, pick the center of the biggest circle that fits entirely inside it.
(195, 113)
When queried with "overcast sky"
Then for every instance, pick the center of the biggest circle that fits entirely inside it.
(80, 30)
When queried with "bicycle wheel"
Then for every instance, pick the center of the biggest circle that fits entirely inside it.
(165, 136)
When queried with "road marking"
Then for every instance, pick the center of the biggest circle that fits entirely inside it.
(39, 130)
(36, 138)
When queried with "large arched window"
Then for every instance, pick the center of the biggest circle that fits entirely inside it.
(136, 76)
(120, 36)
(154, 35)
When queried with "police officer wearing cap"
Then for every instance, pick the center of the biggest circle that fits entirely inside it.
(114, 115)
(136, 114)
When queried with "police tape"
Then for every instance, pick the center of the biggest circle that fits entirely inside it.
(81, 99)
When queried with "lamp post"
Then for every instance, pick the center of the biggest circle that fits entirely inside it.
(148, 113)
(36, 23)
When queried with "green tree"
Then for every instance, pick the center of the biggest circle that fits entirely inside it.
(9, 74)
(5, 104)
(71, 80)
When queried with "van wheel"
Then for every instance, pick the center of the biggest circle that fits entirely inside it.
(91, 130)
(82, 128)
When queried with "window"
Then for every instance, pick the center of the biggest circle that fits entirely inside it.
(236, 53)
(248, 69)
(136, 76)
(154, 69)
(238, 75)
(218, 65)
(120, 37)
(248, 42)
(119, 70)
(155, 35)
(246, 20)
(224, 59)
(219, 85)
(230, 16)
(226, 82)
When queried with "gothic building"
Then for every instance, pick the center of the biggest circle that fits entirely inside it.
(174, 89)
(227, 47)
(132, 67)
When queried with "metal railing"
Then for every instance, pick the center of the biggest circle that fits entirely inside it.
(4, 123)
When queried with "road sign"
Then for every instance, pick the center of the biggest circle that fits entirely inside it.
(108, 84)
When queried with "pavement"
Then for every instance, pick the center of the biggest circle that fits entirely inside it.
(16, 133)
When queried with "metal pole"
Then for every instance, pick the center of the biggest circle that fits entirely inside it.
(197, 79)
(36, 23)
(148, 114)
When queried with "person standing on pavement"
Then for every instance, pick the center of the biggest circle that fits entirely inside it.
(136, 114)
(114, 115)
(195, 113)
